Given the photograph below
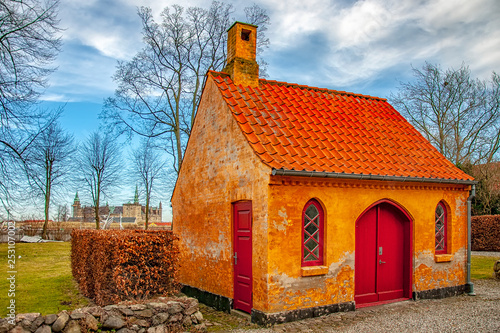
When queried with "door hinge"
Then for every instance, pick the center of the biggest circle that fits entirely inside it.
(235, 258)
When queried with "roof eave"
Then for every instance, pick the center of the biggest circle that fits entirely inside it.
(319, 174)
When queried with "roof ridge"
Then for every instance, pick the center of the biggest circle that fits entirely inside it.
(303, 86)
(338, 92)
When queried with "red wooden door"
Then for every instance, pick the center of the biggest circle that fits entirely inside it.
(365, 266)
(382, 259)
(242, 256)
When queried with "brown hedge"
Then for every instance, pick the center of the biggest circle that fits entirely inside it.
(115, 265)
(485, 233)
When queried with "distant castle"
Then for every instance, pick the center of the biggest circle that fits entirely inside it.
(128, 213)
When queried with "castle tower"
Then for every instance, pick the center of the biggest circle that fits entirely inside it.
(133, 209)
(136, 196)
(77, 208)
(160, 219)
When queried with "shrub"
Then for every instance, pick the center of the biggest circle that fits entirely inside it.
(485, 233)
(32, 228)
(115, 265)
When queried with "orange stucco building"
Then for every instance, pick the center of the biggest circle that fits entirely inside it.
(294, 201)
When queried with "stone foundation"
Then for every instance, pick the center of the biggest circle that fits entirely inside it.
(215, 301)
(225, 304)
(267, 319)
(159, 316)
(441, 292)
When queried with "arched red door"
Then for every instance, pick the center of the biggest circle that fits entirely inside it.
(382, 259)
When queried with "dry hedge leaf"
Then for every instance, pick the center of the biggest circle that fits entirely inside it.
(113, 265)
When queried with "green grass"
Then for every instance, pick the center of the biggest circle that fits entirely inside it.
(482, 267)
(43, 281)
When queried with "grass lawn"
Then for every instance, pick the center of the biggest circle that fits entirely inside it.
(43, 281)
(482, 267)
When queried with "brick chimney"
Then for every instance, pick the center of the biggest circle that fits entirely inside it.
(241, 47)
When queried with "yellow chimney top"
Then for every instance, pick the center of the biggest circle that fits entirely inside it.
(241, 54)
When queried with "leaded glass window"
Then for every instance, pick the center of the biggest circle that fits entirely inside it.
(312, 231)
(440, 229)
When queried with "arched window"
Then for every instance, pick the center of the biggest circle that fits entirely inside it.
(441, 227)
(312, 232)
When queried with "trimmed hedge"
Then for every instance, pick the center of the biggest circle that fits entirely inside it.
(485, 233)
(116, 265)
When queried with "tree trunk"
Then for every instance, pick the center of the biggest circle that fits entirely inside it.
(147, 211)
(179, 148)
(96, 211)
(194, 101)
(48, 180)
(45, 224)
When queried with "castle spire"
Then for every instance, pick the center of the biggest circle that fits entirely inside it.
(76, 206)
(136, 197)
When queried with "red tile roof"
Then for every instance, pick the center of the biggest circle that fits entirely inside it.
(296, 127)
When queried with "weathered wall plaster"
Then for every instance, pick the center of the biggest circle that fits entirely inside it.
(344, 201)
(219, 168)
(430, 274)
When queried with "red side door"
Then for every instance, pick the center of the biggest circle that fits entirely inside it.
(242, 255)
(382, 259)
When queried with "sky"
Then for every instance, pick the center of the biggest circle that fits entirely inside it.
(367, 47)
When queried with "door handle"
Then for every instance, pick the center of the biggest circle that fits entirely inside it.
(235, 258)
(380, 262)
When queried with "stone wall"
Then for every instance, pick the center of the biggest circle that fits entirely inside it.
(52, 234)
(159, 316)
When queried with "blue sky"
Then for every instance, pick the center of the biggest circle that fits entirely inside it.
(365, 47)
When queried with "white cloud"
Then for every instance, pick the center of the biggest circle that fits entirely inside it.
(295, 19)
(111, 27)
(367, 38)
(55, 98)
(361, 24)
(334, 43)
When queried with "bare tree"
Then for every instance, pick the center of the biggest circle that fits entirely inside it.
(459, 115)
(62, 213)
(258, 16)
(29, 42)
(487, 199)
(49, 164)
(148, 169)
(99, 164)
(160, 88)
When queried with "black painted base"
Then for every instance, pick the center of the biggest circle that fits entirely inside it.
(441, 293)
(267, 319)
(225, 304)
(218, 302)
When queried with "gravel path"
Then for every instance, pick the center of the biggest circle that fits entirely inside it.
(480, 313)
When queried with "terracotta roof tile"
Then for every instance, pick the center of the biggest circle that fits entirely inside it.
(295, 127)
